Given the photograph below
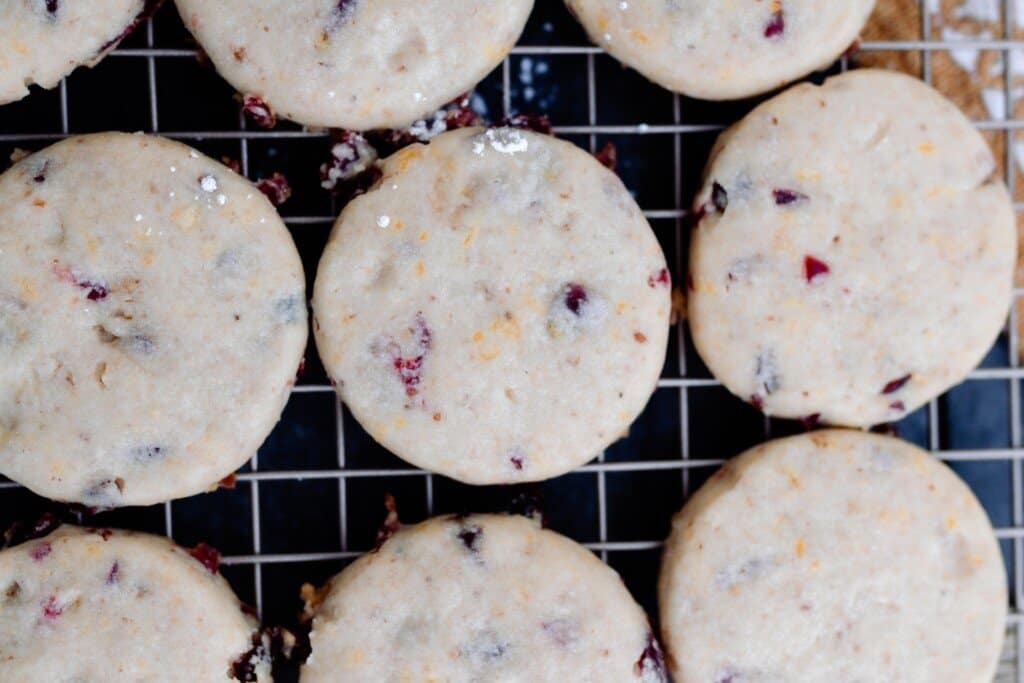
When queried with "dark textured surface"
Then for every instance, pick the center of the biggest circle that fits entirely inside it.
(305, 515)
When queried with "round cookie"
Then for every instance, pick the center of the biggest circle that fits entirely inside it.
(833, 556)
(355, 64)
(42, 41)
(718, 50)
(853, 257)
(480, 598)
(496, 308)
(152, 317)
(103, 605)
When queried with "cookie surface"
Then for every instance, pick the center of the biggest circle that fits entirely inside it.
(104, 605)
(480, 598)
(41, 41)
(496, 308)
(835, 555)
(723, 50)
(357, 64)
(853, 258)
(152, 317)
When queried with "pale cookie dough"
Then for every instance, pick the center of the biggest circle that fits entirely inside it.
(103, 605)
(357, 64)
(496, 308)
(853, 256)
(833, 556)
(723, 50)
(42, 41)
(152, 318)
(480, 598)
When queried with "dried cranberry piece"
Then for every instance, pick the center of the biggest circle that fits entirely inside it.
(784, 197)
(148, 9)
(390, 525)
(811, 421)
(258, 111)
(538, 123)
(276, 187)
(40, 551)
(895, 385)
(470, 535)
(52, 6)
(97, 292)
(19, 532)
(757, 401)
(651, 663)
(608, 156)
(113, 576)
(517, 461)
(719, 197)
(814, 269)
(105, 534)
(776, 25)
(206, 556)
(409, 368)
(52, 608)
(228, 482)
(40, 176)
(662, 278)
(341, 14)
(897, 406)
(575, 298)
(352, 157)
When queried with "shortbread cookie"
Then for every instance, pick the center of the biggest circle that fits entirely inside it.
(152, 318)
(853, 256)
(833, 556)
(42, 41)
(480, 598)
(357, 64)
(103, 605)
(496, 308)
(723, 50)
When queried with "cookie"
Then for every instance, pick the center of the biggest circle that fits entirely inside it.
(42, 41)
(152, 317)
(352, 63)
(480, 598)
(723, 50)
(833, 556)
(853, 256)
(495, 308)
(103, 605)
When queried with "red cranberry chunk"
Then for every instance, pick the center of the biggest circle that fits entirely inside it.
(206, 556)
(470, 537)
(258, 111)
(41, 550)
(276, 187)
(651, 661)
(811, 421)
(785, 197)
(660, 278)
(575, 298)
(814, 269)
(113, 576)
(52, 6)
(897, 406)
(148, 9)
(776, 25)
(52, 608)
(895, 385)
(719, 197)
(607, 156)
(40, 176)
(517, 461)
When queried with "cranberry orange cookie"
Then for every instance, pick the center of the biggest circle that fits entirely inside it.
(723, 50)
(356, 64)
(496, 308)
(480, 598)
(152, 317)
(833, 556)
(853, 257)
(104, 605)
(41, 41)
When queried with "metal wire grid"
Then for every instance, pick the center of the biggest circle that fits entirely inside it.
(684, 465)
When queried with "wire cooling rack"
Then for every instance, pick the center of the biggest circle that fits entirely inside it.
(312, 498)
